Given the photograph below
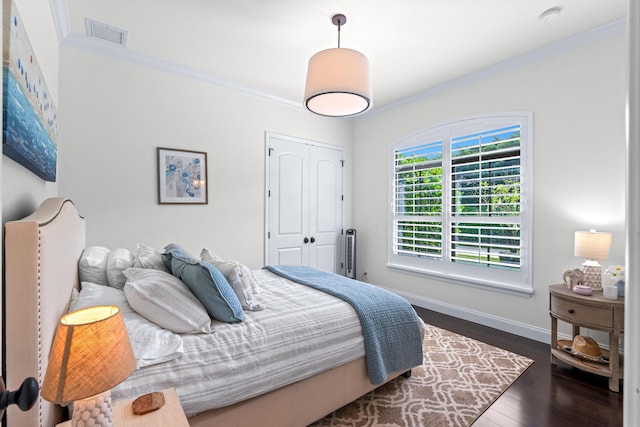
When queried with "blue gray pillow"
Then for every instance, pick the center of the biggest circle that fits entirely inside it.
(206, 283)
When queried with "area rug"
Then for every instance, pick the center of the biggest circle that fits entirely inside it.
(459, 379)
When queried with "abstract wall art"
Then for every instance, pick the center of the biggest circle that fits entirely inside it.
(30, 122)
(182, 176)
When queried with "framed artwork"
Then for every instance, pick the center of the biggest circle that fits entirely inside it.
(182, 177)
(30, 128)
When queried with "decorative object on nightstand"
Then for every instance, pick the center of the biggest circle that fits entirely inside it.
(148, 403)
(90, 355)
(594, 246)
(614, 275)
(572, 277)
(582, 290)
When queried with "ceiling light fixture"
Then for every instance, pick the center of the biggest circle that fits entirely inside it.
(338, 81)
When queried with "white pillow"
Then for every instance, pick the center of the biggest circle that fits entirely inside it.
(165, 300)
(239, 276)
(151, 344)
(148, 257)
(92, 266)
(119, 260)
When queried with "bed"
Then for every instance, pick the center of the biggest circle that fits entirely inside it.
(42, 253)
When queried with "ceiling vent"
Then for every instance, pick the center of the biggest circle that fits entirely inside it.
(105, 32)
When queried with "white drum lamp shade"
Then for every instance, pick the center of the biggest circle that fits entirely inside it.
(338, 83)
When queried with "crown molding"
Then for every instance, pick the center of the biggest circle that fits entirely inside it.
(101, 47)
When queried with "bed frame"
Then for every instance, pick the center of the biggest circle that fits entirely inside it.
(41, 269)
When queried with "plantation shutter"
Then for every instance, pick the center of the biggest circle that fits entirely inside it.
(418, 201)
(485, 211)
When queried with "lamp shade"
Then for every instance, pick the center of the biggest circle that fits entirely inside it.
(338, 83)
(90, 354)
(592, 244)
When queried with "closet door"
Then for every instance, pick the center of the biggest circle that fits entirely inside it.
(325, 209)
(304, 204)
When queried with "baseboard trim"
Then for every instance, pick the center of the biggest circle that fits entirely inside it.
(502, 324)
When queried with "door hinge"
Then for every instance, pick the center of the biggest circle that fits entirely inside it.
(270, 150)
(342, 231)
(342, 161)
(268, 193)
(268, 234)
(342, 197)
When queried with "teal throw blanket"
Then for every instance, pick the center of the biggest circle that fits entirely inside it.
(392, 330)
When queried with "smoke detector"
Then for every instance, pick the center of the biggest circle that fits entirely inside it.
(105, 32)
(550, 14)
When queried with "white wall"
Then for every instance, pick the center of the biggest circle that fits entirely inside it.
(578, 101)
(114, 114)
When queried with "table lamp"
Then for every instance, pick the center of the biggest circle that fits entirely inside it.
(90, 355)
(593, 246)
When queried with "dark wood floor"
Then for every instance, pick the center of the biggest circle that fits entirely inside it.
(544, 395)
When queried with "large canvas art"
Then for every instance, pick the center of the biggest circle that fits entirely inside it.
(30, 123)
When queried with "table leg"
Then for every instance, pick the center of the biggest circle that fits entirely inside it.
(614, 362)
(554, 339)
(576, 330)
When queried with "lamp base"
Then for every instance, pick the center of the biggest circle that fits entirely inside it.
(592, 274)
(94, 411)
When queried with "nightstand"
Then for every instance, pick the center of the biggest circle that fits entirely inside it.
(170, 415)
(592, 312)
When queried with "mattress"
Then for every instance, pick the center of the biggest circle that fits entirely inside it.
(300, 333)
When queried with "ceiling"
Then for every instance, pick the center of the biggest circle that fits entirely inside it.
(262, 46)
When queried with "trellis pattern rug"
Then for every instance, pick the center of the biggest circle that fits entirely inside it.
(459, 379)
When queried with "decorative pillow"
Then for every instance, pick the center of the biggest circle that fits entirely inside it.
(208, 285)
(118, 261)
(165, 300)
(239, 276)
(92, 266)
(151, 344)
(150, 258)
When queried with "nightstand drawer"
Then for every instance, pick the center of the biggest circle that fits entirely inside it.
(583, 314)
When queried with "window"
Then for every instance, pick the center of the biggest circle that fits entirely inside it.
(461, 202)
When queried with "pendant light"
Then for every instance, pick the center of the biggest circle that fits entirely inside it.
(338, 81)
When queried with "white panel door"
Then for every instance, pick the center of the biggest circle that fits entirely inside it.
(325, 211)
(304, 203)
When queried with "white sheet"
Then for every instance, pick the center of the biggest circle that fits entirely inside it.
(302, 332)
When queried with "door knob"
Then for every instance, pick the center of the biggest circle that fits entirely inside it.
(313, 239)
(306, 240)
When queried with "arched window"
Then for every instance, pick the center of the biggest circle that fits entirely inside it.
(461, 205)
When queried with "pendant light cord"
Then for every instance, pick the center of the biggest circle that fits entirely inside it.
(339, 35)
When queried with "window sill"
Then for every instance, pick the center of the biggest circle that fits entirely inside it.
(465, 281)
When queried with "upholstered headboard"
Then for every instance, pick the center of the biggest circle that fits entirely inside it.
(41, 269)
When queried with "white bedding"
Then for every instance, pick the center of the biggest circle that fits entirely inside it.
(302, 332)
